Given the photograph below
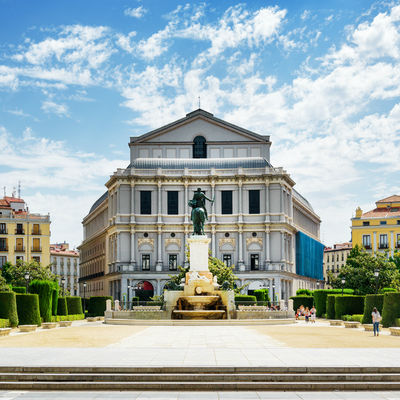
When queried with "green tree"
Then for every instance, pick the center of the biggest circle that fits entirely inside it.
(359, 272)
(3, 284)
(15, 274)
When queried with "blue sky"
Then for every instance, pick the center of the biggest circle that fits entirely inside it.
(77, 79)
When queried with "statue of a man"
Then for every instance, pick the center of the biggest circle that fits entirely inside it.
(199, 212)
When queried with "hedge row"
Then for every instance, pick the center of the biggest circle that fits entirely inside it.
(45, 291)
(371, 301)
(4, 323)
(19, 289)
(305, 301)
(330, 306)
(391, 309)
(320, 298)
(28, 309)
(8, 307)
(97, 305)
(74, 305)
(262, 296)
(73, 317)
(348, 305)
(62, 306)
(245, 300)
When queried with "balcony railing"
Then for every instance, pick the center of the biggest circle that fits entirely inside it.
(367, 246)
(4, 248)
(383, 246)
(3, 231)
(36, 250)
(19, 249)
(36, 232)
(19, 232)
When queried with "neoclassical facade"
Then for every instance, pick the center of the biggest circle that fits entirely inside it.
(136, 233)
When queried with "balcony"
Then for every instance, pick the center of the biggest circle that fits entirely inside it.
(3, 232)
(4, 248)
(383, 245)
(367, 246)
(19, 249)
(36, 250)
(36, 232)
(19, 232)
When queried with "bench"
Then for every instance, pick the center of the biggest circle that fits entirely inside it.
(5, 331)
(395, 331)
(49, 325)
(352, 324)
(253, 308)
(64, 324)
(335, 322)
(146, 308)
(368, 327)
(27, 328)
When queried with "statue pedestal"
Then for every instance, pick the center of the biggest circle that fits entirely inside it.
(198, 245)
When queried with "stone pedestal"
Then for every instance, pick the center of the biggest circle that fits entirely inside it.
(198, 245)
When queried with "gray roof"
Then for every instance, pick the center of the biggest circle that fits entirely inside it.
(302, 199)
(98, 201)
(199, 163)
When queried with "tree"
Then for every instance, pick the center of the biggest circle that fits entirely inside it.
(359, 272)
(15, 274)
(3, 284)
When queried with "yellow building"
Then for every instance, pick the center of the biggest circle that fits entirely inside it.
(378, 229)
(23, 235)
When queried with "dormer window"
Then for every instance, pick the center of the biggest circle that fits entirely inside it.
(199, 147)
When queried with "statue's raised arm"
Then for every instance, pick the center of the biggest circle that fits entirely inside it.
(199, 212)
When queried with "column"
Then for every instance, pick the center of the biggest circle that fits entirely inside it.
(240, 201)
(392, 243)
(213, 204)
(133, 248)
(240, 262)
(132, 203)
(281, 200)
(159, 248)
(267, 202)
(282, 246)
(267, 249)
(158, 288)
(118, 194)
(213, 240)
(293, 249)
(118, 247)
(278, 289)
(185, 202)
(291, 205)
(159, 208)
(374, 242)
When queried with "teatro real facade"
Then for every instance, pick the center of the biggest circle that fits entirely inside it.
(137, 232)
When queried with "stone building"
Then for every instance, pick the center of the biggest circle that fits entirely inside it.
(335, 258)
(136, 233)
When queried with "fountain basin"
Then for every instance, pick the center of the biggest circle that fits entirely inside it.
(199, 302)
(200, 314)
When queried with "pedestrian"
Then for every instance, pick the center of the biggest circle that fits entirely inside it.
(313, 313)
(307, 314)
(376, 318)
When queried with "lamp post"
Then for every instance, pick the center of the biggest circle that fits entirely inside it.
(318, 284)
(129, 290)
(84, 297)
(376, 274)
(27, 281)
(273, 293)
(62, 284)
(343, 282)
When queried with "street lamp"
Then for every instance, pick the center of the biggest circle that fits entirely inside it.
(63, 285)
(27, 281)
(343, 282)
(317, 284)
(129, 290)
(273, 293)
(376, 274)
(84, 297)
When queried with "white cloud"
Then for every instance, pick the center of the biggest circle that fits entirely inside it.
(137, 12)
(51, 107)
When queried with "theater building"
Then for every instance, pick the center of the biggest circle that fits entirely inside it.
(136, 233)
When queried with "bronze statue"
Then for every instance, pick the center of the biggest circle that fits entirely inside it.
(199, 212)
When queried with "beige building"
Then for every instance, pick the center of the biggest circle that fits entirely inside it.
(335, 258)
(24, 235)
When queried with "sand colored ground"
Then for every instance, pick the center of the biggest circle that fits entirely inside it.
(312, 336)
(75, 336)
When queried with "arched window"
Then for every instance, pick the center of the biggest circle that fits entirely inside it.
(199, 147)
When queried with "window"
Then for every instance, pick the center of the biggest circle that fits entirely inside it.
(337, 257)
(383, 241)
(37, 259)
(327, 258)
(3, 244)
(19, 230)
(254, 262)
(398, 241)
(172, 202)
(337, 268)
(35, 229)
(226, 201)
(365, 223)
(398, 222)
(382, 222)
(36, 245)
(342, 257)
(227, 259)
(145, 202)
(254, 202)
(146, 262)
(173, 262)
(3, 260)
(199, 147)
(19, 258)
(19, 244)
(3, 228)
(366, 241)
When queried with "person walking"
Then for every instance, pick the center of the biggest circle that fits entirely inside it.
(376, 318)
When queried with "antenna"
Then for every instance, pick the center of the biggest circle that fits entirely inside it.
(14, 192)
(19, 189)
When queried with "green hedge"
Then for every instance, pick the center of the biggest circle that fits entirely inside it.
(19, 289)
(304, 292)
(97, 305)
(54, 300)
(387, 290)
(330, 306)
(74, 305)
(371, 301)
(28, 309)
(320, 298)
(62, 306)
(74, 317)
(262, 296)
(306, 301)
(135, 301)
(4, 323)
(45, 291)
(8, 307)
(391, 309)
(348, 304)
(245, 300)
(354, 317)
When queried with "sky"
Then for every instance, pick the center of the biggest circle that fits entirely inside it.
(78, 78)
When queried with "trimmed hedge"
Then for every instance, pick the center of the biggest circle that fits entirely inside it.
(74, 305)
(304, 292)
(135, 301)
(97, 305)
(28, 309)
(4, 323)
(19, 289)
(321, 295)
(348, 305)
(371, 301)
(74, 317)
(391, 309)
(245, 300)
(62, 306)
(355, 317)
(45, 291)
(306, 301)
(8, 307)
(330, 306)
(387, 290)
(262, 296)
(54, 299)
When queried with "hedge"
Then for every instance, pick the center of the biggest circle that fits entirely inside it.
(261, 296)
(45, 291)
(320, 298)
(245, 300)
(354, 317)
(391, 309)
(8, 307)
(97, 305)
(28, 309)
(4, 323)
(135, 301)
(330, 306)
(62, 306)
(54, 299)
(387, 290)
(304, 292)
(74, 305)
(74, 317)
(306, 301)
(348, 305)
(19, 289)
(371, 301)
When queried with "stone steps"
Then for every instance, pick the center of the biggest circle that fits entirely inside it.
(200, 378)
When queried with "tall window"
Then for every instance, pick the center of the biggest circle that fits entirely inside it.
(366, 241)
(227, 259)
(254, 262)
(20, 229)
(19, 244)
(199, 147)
(383, 241)
(173, 262)
(3, 228)
(145, 202)
(254, 202)
(146, 262)
(3, 244)
(365, 223)
(35, 229)
(3, 260)
(226, 201)
(36, 245)
(172, 202)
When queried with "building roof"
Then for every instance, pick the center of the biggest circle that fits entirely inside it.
(98, 202)
(382, 213)
(199, 163)
(339, 246)
(13, 200)
(302, 199)
(391, 199)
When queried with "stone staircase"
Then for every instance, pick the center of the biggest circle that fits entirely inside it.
(200, 378)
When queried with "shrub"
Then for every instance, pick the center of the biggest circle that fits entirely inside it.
(62, 306)
(262, 296)
(330, 306)
(348, 305)
(54, 300)
(8, 307)
(74, 317)
(135, 301)
(320, 298)
(4, 323)
(356, 317)
(28, 309)
(97, 305)
(304, 292)
(391, 309)
(245, 300)
(306, 301)
(74, 305)
(371, 301)
(45, 291)
(19, 289)
(387, 290)
(154, 303)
